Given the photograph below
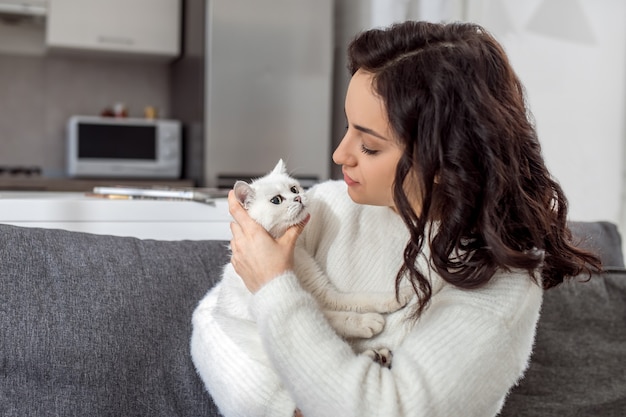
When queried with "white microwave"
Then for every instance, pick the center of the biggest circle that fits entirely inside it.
(123, 147)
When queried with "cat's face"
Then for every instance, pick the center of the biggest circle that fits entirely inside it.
(276, 200)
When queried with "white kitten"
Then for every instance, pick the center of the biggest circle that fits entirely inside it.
(277, 201)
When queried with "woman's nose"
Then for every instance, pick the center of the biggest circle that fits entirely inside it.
(341, 156)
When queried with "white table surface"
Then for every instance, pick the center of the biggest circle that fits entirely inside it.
(147, 219)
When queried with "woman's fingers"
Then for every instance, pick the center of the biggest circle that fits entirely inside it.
(238, 212)
(292, 234)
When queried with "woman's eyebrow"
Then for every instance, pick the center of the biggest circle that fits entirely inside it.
(369, 132)
(363, 128)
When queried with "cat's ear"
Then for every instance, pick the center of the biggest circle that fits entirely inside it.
(244, 193)
(280, 168)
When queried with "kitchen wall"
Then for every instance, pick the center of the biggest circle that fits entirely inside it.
(40, 90)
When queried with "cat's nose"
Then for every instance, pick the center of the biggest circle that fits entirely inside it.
(298, 199)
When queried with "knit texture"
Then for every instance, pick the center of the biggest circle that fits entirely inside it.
(460, 358)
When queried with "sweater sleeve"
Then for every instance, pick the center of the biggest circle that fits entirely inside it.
(460, 358)
(228, 356)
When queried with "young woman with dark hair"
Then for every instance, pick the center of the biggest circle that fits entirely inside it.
(469, 144)
(445, 190)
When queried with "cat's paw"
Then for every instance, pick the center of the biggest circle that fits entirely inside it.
(393, 303)
(405, 295)
(368, 325)
(355, 325)
(382, 356)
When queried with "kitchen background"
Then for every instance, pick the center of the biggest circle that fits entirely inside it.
(570, 54)
(41, 87)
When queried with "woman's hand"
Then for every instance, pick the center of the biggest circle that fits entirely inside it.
(256, 256)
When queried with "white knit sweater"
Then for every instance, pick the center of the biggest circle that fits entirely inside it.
(459, 359)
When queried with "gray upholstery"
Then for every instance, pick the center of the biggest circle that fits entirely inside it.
(99, 326)
(578, 367)
(602, 238)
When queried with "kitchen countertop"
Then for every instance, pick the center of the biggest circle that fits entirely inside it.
(143, 218)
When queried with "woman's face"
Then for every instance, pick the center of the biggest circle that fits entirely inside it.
(368, 152)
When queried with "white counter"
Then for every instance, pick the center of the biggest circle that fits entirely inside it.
(146, 219)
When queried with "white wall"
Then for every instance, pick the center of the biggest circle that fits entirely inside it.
(571, 56)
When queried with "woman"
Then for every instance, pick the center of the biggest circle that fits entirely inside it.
(453, 197)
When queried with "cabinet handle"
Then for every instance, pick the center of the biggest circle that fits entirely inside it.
(117, 40)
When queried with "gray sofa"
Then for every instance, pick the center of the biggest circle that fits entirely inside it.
(99, 326)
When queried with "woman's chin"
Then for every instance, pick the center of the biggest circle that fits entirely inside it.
(359, 198)
(355, 196)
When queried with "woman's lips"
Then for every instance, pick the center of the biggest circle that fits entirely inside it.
(349, 180)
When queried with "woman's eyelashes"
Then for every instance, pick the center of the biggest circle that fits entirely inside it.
(364, 149)
(368, 151)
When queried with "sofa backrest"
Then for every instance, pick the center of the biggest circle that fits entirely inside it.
(600, 237)
(578, 365)
(94, 325)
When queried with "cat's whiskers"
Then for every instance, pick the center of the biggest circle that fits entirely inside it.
(296, 212)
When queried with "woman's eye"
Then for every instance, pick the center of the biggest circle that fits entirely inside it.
(294, 190)
(276, 199)
(368, 151)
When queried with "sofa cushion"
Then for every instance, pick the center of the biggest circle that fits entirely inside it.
(600, 237)
(578, 367)
(100, 325)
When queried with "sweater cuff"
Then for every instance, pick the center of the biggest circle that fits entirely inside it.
(280, 405)
(272, 294)
(270, 297)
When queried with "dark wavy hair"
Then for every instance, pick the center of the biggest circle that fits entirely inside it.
(471, 151)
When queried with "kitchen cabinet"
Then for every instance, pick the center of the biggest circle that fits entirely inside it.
(141, 27)
(16, 8)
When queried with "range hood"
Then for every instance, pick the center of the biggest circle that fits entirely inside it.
(24, 8)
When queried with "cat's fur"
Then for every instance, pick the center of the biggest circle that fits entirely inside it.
(277, 201)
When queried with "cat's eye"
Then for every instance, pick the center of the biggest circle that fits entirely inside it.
(294, 190)
(277, 199)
